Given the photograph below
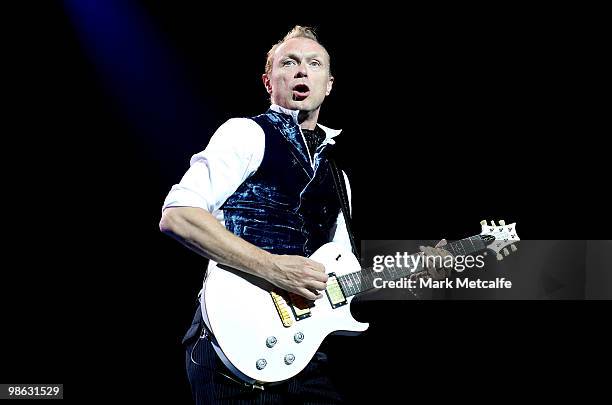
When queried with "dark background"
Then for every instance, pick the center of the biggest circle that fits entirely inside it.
(450, 116)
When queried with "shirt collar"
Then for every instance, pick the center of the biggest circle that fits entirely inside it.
(329, 132)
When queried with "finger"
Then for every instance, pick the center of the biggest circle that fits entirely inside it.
(321, 277)
(445, 252)
(441, 243)
(316, 285)
(442, 252)
(316, 293)
(439, 252)
(306, 293)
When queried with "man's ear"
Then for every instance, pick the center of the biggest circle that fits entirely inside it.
(266, 81)
(330, 83)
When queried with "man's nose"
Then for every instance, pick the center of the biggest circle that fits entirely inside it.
(301, 71)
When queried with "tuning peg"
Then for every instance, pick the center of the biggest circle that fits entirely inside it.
(500, 257)
(493, 223)
(483, 222)
(514, 248)
(506, 252)
(502, 222)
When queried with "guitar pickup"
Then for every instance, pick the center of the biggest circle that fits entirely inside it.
(300, 306)
(334, 292)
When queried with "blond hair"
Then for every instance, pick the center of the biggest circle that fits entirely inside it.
(297, 32)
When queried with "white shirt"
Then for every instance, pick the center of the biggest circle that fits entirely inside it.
(234, 153)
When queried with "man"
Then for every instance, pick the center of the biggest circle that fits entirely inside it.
(261, 199)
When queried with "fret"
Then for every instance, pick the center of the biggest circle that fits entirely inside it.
(459, 248)
(390, 271)
(346, 284)
(394, 270)
(451, 248)
(479, 243)
(364, 274)
(349, 284)
(472, 243)
(368, 280)
(465, 251)
(386, 273)
(357, 281)
(397, 272)
(407, 270)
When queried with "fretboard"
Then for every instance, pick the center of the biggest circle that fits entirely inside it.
(360, 281)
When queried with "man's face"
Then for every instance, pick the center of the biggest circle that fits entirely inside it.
(300, 77)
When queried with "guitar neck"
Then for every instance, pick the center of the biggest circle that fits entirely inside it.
(361, 281)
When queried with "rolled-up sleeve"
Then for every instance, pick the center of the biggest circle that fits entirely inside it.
(234, 152)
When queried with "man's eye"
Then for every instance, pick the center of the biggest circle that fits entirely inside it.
(288, 62)
(315, 63)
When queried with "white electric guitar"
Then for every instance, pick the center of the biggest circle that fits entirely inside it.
(266, 335)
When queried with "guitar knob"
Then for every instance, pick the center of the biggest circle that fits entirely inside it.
(261, 363)
(271, 341)
(289, 359)
(298, 337)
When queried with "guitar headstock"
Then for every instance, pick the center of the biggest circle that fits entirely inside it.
(498, 237)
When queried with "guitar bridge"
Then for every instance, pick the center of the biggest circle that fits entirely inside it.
(281, 308)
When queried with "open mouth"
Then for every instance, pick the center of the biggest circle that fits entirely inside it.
(300, 92)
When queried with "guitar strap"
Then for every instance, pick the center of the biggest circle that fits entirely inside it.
(344, 202)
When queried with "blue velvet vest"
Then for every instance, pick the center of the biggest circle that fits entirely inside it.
(285, 207)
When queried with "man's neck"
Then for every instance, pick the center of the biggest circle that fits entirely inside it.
(305, 119)
(308, 119)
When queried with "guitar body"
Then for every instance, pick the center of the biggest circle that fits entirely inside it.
(244, 319)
